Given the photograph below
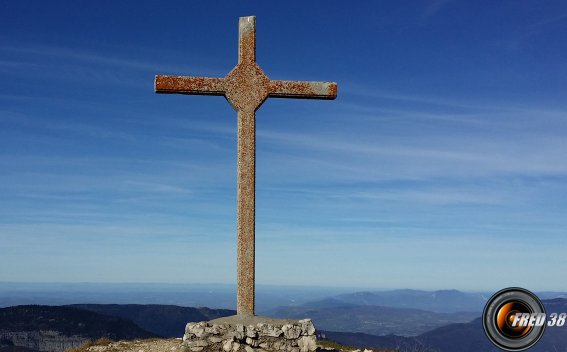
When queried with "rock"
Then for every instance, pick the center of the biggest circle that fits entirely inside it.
(308, 344)
(239, 333)
(275, 333)
(195, 329)
(251, 334)
(292, 332)
(197, 343)
(307, 327)
(251, 331)
(276, 345)
(227, 346)
(196, 349)
(251, 342)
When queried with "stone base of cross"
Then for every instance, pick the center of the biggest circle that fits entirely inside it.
(245, 87)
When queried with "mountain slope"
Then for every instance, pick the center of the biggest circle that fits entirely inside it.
(470, 337)
(48, 328)
(16, 349)
(327, 303)
(69, 321)
(163, 320)
(462, 337)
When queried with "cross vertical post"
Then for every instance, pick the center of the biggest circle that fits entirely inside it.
(245, 87)
(246, 211)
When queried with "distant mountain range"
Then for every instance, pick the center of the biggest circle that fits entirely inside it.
(334, 315)
(556, 305)
(347, 319)
(224, 296)
(443, 301)
(186, 295)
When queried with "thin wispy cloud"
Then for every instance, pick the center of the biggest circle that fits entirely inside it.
(366, 91)
(431, 9)
(38, 51)
(542, 25)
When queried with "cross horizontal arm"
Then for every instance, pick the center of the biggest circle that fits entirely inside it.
(303, 89)
(189, 85)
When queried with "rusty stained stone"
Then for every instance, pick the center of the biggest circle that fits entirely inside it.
(245, 87)
(189, 85)
(305, 90)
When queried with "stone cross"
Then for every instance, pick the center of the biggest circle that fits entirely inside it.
(245, 87)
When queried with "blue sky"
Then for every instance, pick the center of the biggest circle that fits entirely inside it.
(441, 164)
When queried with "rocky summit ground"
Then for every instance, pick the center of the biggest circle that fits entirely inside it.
(174, 345)
(148, 345)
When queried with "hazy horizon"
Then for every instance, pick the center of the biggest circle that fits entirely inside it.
(231, 286)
